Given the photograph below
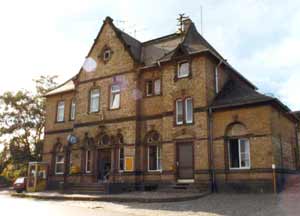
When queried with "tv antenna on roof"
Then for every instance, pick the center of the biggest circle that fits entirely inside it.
(181, 20)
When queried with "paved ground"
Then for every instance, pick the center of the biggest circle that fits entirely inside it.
(287, 203)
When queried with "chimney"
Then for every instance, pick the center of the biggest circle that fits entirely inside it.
(186, 24)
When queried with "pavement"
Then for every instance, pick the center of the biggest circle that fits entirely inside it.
(283, 204)
(142, 197)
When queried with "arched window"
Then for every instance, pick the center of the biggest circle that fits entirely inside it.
(59, 159)
(88, 153)
(153, 151)
(238, 146)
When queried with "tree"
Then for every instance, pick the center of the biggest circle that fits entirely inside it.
(22, 120)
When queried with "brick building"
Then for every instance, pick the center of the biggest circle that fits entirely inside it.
(165, 111)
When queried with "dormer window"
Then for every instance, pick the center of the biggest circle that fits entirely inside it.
(183, 69)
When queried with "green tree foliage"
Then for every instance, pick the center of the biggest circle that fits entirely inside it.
(22, 120)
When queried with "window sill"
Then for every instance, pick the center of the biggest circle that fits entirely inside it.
(59, 174)
(59, 122)
(243, 168)
(151, 96)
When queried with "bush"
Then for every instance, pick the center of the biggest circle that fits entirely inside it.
(4, 181)
(12, 172)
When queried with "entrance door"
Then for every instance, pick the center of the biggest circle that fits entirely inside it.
(185, 161)
(104, 164)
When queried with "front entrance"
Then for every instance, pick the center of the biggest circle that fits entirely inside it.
(104, 164)
(185, 161)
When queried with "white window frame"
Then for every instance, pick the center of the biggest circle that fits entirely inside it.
(59, 163)
(73, 110)
(112, 93)
(94, 95)
(60, 112)
(122, 170)
(239, 149)
(176, 112)
(158, 158)
(179, 75)
(157, 85)
(88, 159)
(190, 121)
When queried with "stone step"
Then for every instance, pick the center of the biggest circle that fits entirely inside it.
(84, 192)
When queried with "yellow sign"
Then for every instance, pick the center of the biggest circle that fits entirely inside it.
(129, 163)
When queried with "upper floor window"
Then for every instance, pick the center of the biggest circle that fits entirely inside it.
(60, 116)
(115, 96)
(94, 100)
(183, 69)
(184, 111)
(239, 154)
(73, 110)
(153, 87)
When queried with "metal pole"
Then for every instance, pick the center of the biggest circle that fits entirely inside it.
(274, 178)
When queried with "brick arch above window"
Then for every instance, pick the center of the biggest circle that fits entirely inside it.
(236, 129)
(152, 138)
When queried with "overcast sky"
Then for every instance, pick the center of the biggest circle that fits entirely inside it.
(259, 38)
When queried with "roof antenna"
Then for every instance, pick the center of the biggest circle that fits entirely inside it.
(181, 20)
(201, 17)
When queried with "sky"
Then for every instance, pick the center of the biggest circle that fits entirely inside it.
(261, 39)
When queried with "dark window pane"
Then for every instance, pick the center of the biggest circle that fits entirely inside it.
(152, 158)
(234, 153)
(149, 88)
(121, 161)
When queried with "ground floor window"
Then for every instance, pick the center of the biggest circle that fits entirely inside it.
(154, 158)
(239, 154)
(59, 164)
(121, 159)
(88, 161)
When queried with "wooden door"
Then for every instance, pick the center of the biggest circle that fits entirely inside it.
(185, 161)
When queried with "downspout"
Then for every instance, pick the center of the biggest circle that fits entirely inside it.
(297, 146)
(210, 135)
(211, 152)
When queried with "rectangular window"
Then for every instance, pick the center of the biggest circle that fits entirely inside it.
(189, 110)
(115, 96)
(59, 164)
(60, 111)
(73, 110)
(88, 161)
(94, 100)
(153, 87)
(154, 158)
(179, 112)
(183, 69)
(239, 153)
(121, 159)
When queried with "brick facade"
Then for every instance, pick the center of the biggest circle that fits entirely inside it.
(268, 127)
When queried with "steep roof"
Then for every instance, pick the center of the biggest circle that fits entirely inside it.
(163, 49)
(235, 93)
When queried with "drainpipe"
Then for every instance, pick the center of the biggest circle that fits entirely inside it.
(211, 152)
(297, 146)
